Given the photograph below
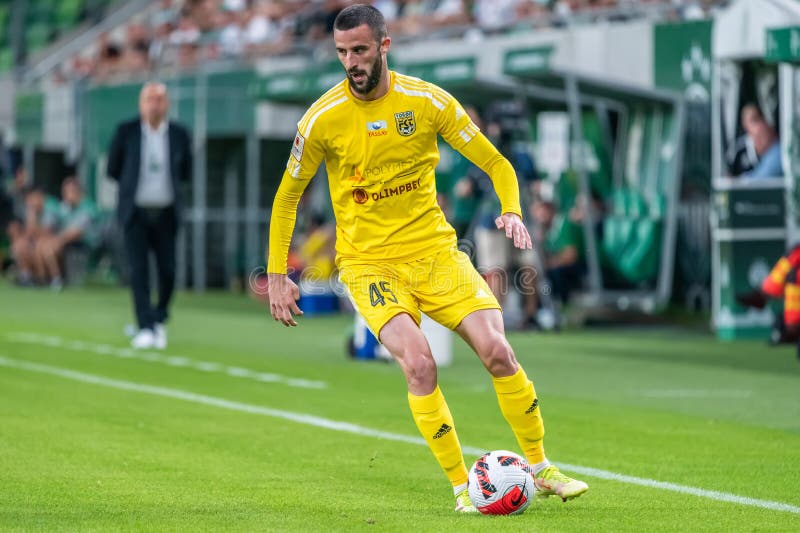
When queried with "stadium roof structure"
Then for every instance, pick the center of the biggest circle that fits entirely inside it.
(739, 31)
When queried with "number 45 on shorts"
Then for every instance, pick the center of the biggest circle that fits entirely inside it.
(380, 292)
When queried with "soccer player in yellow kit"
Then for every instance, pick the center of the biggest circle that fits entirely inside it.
(396, 254)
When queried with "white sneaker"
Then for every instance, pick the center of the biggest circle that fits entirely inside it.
(160, 335)
(144, 340)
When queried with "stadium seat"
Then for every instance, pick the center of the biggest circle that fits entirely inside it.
(617, 234)
(37, 36)
(631, 240)
(68, 14)
(6, 59)
(4, 17)
(640, 260)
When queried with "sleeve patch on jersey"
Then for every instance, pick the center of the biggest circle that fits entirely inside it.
(297, 146)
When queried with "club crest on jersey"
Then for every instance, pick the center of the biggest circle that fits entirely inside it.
(406, 125)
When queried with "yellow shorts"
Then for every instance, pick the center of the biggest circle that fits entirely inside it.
(446, 287)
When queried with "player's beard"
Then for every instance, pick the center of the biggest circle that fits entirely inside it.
(372, 80)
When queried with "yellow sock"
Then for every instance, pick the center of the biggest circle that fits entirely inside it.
(435, 422)
(520, 407)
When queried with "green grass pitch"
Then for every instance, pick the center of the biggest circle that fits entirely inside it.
(243, 425)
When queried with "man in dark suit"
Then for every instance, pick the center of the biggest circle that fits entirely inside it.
(149, 157)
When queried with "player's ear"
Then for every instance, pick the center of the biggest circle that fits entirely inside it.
(385, 44)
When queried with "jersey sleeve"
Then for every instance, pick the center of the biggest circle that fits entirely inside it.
(504, 179)
(304, 159)
(455, 127)
(450, 119)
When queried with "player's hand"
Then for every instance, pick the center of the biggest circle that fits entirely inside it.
(515, 229)
(283, 295)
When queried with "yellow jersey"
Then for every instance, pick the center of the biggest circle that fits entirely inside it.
(380, 158)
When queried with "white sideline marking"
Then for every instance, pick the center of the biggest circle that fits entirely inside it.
(695, 393)
(347, 427)
(155, 357)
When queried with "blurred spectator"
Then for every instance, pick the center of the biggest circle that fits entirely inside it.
(167, 13)
(17, 189)
(267, 30)
(492, 248)
(8, 214)
(317, 251)
(495, 255)
(234, 5)
(136, 34)
(203, 13)
(186, 32)
(447, 13)
(71, 223)
(24, 237)
(109, 60)
(137, 57)
(322, 19)
(577, 214)
(231, 35)
(160, 41)
(187, 55)
(765, 142)
(388, 8)
(561, 241)
(464, 201)
(492, 16)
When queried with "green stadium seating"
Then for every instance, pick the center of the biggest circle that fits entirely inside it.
(39, 12)
(6, 59)
(640, 259)
(617, 235)
(68, 13)
(37, 36)
(631, 241)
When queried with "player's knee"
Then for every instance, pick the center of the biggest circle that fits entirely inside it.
(419, 368)
(499, 357)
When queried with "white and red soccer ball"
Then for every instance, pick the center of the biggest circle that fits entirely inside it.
(500, 483)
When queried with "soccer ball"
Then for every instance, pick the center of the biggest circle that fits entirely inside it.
(500, 483)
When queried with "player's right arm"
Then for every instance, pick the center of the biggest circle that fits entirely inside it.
(455, 126)
(304, 159)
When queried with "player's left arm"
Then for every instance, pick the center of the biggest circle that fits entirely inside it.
(461, 133)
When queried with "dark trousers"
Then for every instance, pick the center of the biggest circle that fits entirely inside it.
(563, 279)
(151, 229)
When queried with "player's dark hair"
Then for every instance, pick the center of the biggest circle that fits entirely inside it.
(358, 14)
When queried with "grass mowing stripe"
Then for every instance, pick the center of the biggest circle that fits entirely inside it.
(364, 431)
(155, 357)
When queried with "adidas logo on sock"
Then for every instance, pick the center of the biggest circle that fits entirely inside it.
(533, 406)
(444, 430)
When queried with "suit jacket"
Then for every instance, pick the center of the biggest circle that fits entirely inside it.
(124, 163)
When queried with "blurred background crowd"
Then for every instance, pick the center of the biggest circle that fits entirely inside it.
(175, 34)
